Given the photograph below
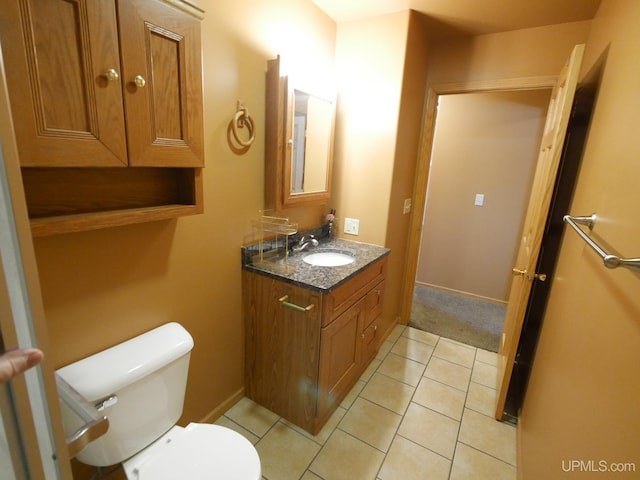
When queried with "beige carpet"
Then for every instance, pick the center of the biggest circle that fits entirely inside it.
(474, 322)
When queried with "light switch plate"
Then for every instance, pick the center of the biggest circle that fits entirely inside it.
(351, 226)
(407, 206)
(479, 199)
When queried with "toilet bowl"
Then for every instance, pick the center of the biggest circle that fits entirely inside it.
(197, 452)
(139, 385)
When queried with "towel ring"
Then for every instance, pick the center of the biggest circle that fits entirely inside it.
(240, 119)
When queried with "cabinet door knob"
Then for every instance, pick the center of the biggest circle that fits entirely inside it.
(139, 81)
(112, 75)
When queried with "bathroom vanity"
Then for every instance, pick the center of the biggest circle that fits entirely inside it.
(311, 331)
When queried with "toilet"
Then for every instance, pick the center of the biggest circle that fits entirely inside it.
(139, 385)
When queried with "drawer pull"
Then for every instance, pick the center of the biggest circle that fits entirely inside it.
(293, 306)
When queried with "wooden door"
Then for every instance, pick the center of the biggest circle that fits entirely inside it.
(535, 219)
(63, 65)
(162, 78)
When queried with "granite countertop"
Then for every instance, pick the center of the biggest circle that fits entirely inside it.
(321, 279)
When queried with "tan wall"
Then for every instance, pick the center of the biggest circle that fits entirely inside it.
(582, 399)
(405, 161)
(105, 286)
(370, 57)
(485, 143)
(382, 67)
(519, 53)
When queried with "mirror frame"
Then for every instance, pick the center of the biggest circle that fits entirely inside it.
(279, 145)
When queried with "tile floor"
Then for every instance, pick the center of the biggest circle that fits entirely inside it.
(422, 410)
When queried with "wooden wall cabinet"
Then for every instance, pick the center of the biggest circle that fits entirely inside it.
(111, 85)
(301, 364)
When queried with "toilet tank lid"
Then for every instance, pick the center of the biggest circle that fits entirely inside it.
(110, 370)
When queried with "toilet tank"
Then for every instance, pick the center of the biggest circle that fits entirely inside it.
(139, 384)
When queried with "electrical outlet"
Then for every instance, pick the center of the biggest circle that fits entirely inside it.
(407, 206)
(479, 199)
(351, 226)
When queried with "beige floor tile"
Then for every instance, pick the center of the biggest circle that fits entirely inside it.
(470, 464)
(486, 434)
(456, 342)
(371, 423)
(455, 353)
(409, 461)
(284, 453)
(422, 417)
(440, 397)
(485, 356)
(252, 416)
(346, 458)
(448, 373)
(309, 475)
(353, 394)
(397, 331)
(370, 370)
(326, 431)
(430, 429)
(388, 392)
(482, 399)
(421, 336)
(484, 374)
(384, 349)
(402, 369)
(224, 421)
(413, 349)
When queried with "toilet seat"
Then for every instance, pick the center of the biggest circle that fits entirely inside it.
(197, 452)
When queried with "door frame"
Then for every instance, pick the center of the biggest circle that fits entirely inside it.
(424, 161)
(31, 414)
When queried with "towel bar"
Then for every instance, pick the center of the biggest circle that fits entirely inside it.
(609, 260)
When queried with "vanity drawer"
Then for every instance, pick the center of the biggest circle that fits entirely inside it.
(346, 295)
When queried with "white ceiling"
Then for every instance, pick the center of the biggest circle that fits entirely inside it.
(468, 17)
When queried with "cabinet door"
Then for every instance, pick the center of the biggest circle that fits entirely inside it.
(58, 54)
(162, 78)
(340, 358)
(373, 302)
(281, 347)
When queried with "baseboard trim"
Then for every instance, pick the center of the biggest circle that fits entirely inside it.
(217, 412)
(464, 294)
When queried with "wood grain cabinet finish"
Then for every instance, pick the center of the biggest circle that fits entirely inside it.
(301, 364)
(105, 84)
(72, 68)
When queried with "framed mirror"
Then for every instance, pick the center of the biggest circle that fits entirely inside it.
(299, 143)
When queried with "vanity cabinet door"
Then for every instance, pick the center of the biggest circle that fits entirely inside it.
(281, 347)
(63, 66)
(340, 358)
(369, 343)
(374, 302)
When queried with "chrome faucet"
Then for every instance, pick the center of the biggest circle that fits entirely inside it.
(305, 242)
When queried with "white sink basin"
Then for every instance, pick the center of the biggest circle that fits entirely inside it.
(329, 259)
